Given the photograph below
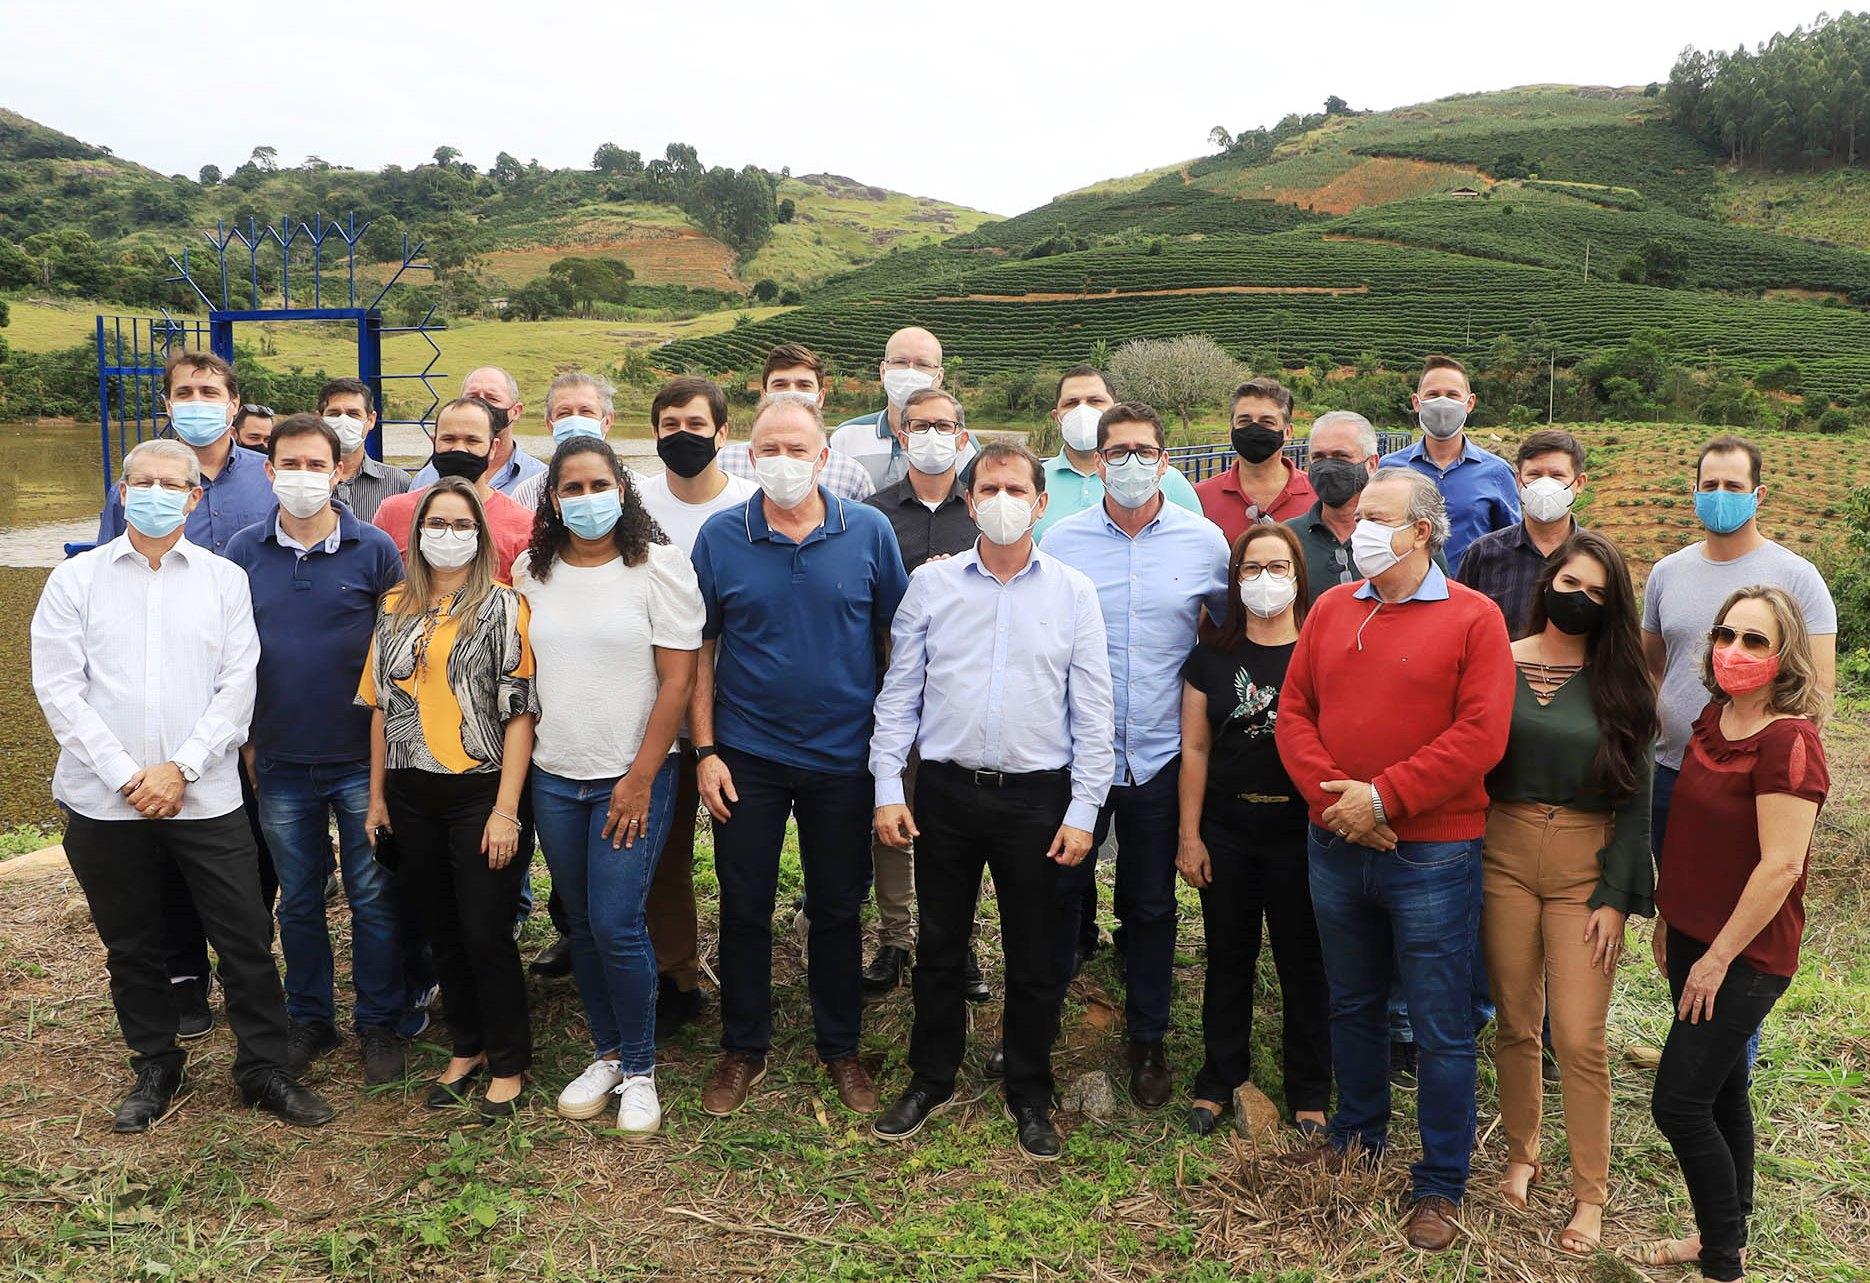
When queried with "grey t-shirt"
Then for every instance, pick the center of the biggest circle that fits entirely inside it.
(1685, 592)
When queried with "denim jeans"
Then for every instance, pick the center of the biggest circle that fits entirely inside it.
(1413, 913)
(298, 802)
(603, 889)
(1145, 817)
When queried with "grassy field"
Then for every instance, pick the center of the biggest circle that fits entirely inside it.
(840, 225)
(1827, 205)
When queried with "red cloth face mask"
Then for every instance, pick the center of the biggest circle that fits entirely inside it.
(1739, 673)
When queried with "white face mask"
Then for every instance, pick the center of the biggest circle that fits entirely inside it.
(799, 394)
(900, 385)
(1078, 426)
(1442, 416)
(449, 549)
(785, 480)
(350, 430)
(931, 452)
(1268, 595)
(1373, 549)
(1131, 484)
(303, 494)
(1546, 498)
(1003, 518)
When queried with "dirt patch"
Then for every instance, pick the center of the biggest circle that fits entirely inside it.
(1378, 180)
(1071, 297)
(658, 256)
(1806, 296)
(26, 746)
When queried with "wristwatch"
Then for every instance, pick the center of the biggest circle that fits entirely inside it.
(1376, 805)
(189, 775)
(705, 751)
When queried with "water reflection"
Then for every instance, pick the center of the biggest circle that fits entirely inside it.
(49, 472)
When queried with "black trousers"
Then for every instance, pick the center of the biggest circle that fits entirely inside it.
(466, 910)
(1007, 829)
(1700, 1102)
(123, 866)
(183, 939)
(1257, 854)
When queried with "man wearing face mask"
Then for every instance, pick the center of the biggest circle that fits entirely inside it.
(511, 465)
(465, 429)
(1479, 488)
(1343, 458)
(1072, 480)
(1262, 484)
(576, 405)
(800, 588)
(792, 369)
(143, 658)
(349, 409)
(316, 573)
(253, 426)
(1156, 568)
(1397, 703)
(911, 362)
(1000, 678)
(1505, 565)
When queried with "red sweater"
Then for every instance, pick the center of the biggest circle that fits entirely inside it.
(1421, 710)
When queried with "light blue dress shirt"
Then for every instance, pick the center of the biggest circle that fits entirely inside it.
(1152, 589)
(1434, 587)
(1480, 488)
(1007, 677)
(1071, 491)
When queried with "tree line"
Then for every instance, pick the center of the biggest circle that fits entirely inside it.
(1801, 98)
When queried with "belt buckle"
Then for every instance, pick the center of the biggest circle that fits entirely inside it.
(990, 779)
(1266, 799)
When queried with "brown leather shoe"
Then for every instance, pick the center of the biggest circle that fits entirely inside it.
(1150, 1079)
(734, 1075)
(855, 1089)
(1431, 1226)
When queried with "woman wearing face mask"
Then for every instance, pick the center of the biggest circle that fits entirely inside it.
(450, 676)
(616, 625)
(1242, 839)
(1567, 860)
(1731, 888)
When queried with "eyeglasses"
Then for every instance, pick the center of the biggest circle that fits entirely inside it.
(263, 411)
(905, 363)
(163, 483)
(1277, 569)
(460, 525)
(1754, 643)
(1118, 455)
(947, 427)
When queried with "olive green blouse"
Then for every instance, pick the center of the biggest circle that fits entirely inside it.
(1548, 760)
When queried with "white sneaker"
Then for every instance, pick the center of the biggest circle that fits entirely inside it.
(638, 1110)
(586, 1095)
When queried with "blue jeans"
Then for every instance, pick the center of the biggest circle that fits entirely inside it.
(1146, 818)
(603, 889)
(1412, 913)
(297, 803)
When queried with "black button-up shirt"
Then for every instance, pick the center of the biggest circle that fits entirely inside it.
(920, 533)
(1506, 566)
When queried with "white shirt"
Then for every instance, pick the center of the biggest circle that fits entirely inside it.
(594, 633)
(681, 520)
(135, 667)
(328, 546)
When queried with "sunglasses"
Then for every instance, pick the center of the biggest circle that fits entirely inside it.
(249, 407)
(1754, 643)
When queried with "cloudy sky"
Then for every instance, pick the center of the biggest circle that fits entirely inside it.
(996, 105)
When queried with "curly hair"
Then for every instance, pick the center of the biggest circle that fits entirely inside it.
(635, 529)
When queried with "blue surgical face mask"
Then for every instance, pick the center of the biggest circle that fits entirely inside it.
(591, 516)
(199, 423)
(1132, 483)
(153, 510)
(1725, 511)
(575, 425)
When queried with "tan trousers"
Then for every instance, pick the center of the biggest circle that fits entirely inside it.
(896, 879)
(670, 909)
(1539, 869)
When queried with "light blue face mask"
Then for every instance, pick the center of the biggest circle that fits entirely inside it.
(199, 423)
(591, 516)
(1132, 483)
(154, 511)
(1725, 511)
(575, 425)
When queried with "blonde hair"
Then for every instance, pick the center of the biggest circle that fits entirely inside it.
(1795, 691)
(414, 601)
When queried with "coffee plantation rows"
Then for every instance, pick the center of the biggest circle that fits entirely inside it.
(1169, 206)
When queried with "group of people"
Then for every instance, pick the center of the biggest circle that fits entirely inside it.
(1402, 709)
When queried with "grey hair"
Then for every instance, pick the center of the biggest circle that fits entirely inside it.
(165, 448)
(1366, 431)
(1425, 503)
(605, 390)
(775, 400)
(932, 394)
(512, 384)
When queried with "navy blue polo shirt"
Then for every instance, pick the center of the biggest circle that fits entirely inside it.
(314, 612)
(799, 630)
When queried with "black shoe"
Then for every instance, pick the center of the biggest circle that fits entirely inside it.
(156, 1086)
(1038, 1139)
(442, 1095)
(194, 1018)
(674, 1007)
(383, 1056)
(1548, 1068)
(285, 1100)
(905, 1118)
(1150, 1079)
(995, 1064)
(492, 1111)
(1402, 1065)
(554, 961)
(885, 971)
(306, 1041)
(1201, 1121)
(973, 983)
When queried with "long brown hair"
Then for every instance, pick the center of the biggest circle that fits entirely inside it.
(414, 602)
(1623, 695)
(1233, 629)
(1795, 690)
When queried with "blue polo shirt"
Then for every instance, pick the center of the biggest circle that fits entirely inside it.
(314, 611)
(230, 502)
(1480, 488)
(798, 630)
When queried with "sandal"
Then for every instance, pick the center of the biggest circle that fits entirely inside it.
(1577, 1242)
(1667, 1251)
(1517, 1202)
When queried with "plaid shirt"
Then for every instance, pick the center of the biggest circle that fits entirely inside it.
(1506, 567)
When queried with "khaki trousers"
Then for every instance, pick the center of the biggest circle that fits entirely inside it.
(896, 879)
(1539, 869)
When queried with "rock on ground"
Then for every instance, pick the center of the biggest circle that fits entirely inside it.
(1092, 1096)
(1256, 1116)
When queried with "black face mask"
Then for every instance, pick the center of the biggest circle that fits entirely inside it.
(464, 464)
(1573, 613)
(1337, 481)
(1256, 444)
(686, 454)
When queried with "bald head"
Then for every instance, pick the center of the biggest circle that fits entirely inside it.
(493, 385)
